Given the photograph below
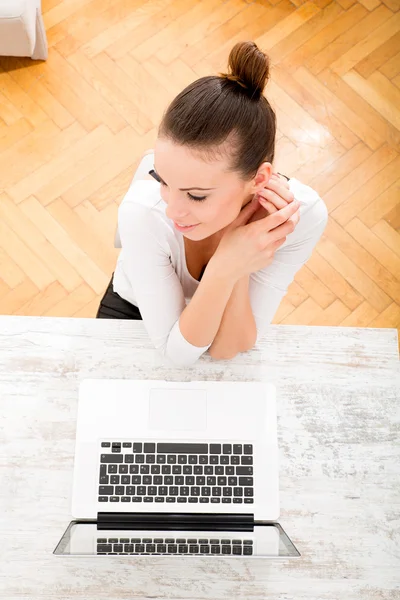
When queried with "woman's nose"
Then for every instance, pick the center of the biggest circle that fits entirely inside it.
(176, 208)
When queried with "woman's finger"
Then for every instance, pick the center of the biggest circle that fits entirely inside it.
(277, 218)
(271, 208)
(272, 197)
(281, 188)
(283, 230)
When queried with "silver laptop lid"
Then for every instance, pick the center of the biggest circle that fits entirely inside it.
(267, 540)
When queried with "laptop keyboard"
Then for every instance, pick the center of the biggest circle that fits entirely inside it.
(159, 545)
(176, 472)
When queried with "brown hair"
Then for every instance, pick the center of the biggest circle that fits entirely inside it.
(227, 108)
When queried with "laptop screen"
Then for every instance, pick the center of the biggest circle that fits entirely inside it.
(85, 539)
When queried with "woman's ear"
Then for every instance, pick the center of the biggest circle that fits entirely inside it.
(263, 174)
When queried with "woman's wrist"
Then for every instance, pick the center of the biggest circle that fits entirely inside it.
(218, 269)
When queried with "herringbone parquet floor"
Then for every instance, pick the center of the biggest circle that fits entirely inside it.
(73, 129)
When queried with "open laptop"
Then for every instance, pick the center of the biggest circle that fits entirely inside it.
(170, 468)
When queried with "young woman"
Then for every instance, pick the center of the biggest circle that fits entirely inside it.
(213, 224)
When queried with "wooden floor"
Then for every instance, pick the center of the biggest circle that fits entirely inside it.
(72, 130)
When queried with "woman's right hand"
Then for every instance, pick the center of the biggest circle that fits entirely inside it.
(249, 247)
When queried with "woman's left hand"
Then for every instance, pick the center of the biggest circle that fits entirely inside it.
(274, 196)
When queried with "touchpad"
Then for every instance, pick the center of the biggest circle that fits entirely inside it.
(178, 409)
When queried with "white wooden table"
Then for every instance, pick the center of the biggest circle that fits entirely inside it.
(338, 406)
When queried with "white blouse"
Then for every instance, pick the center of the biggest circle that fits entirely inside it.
(152, 274)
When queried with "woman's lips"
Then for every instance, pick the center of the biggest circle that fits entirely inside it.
(185, 228)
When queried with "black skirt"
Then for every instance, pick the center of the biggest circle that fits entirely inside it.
(112, 306)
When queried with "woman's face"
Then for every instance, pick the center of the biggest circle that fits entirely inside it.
(202, 197)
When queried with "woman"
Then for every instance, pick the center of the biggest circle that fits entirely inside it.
(231, 246)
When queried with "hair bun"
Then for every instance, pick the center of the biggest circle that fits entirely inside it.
(249, 68)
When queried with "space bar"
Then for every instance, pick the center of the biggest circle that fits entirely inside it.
(182, 448)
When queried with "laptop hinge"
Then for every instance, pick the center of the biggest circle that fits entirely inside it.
(190, 521)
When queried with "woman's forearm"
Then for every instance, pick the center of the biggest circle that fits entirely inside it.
(200, 321)
(237, 331)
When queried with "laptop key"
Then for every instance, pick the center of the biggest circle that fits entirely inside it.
(226, 549)
(114, 498)
(125, 499)
(159, 499)
(106, 490)
(111, 458)
(181, 499)
(127, 444)
(139, 458)
(246, 460)
(247, 550)
(248, 449)
(193, 500)
(245, 481)
(215, 448)
(136, 498)
(249, 500)
(244, 470)
(149, 447)
(227, 448)
(119, 490)
(171, 499)
(104, 547)
(125, 479)
(105, 444)
(237, 449)
(226, 500)
(104, 479)
(103, 498)
(148, 499)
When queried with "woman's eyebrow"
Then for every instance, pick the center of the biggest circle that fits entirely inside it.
(182, 189)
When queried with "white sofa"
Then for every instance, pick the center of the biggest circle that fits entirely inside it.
(22, 30)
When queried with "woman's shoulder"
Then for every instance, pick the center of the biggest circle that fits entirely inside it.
(142, 204)
(142, 193)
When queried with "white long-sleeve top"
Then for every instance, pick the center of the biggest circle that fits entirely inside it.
(152, 274)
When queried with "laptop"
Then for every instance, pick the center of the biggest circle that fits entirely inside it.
(176, 468)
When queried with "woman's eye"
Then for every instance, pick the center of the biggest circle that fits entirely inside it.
(197, 198)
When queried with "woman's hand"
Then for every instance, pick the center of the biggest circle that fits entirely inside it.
(249, 244)
(274, 196)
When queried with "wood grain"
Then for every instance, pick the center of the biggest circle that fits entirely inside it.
(73, 129)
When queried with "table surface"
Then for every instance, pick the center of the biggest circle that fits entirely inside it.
(338, 428)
